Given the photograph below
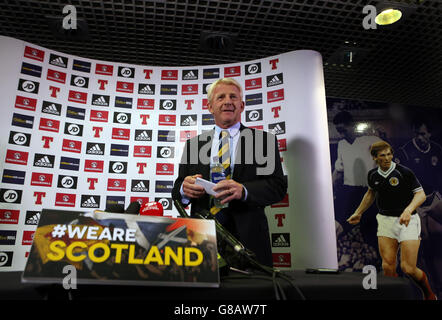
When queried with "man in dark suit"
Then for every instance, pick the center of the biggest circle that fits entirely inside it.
(257, 178)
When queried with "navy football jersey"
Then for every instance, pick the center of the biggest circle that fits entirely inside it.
(394, 189)
(426, 164)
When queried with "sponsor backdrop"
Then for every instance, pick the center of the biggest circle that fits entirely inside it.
(79, 134)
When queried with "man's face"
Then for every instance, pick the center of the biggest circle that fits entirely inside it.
(226, 105)
(344, 128)
(383, 159)
(423, 135)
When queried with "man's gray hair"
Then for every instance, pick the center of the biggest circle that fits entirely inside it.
(228, 81)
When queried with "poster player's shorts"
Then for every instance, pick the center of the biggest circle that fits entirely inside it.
(390, 227)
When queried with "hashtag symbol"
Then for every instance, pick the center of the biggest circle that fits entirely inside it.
(59, 231)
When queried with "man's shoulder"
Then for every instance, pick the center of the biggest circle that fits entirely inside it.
(436, 146)
(408, 146)
(372, 172)
(403, 169)
(244, 129)
(368, 139)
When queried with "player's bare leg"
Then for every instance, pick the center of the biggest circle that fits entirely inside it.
(388, 249)
(409, 252)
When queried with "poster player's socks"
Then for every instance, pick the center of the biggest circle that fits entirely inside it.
(425, 286)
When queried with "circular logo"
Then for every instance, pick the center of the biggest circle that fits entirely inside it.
(164, 202)
(10, 196)
(253, 68)
(3, 259)
(67, 182)
(73, 129)
(28, 86)
(20, 138)
(167, 104)
(126, 72)
(394, 181)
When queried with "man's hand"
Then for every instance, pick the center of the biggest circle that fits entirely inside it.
(192, 190)
(405, 218)
(355, 218)
(228, 190)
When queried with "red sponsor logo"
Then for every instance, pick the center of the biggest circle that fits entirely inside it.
(38, 195)
(189, 104)
(65, 200)
(77, 96)
(280, 217)
(143, 151)
(41, 179)
(104, 69)
(167, 120)
(275, 95)
(123, 86)
(140, 200)
(71, 146)
(25, 103)
(17, 157)
(28, 237)
(99, 116)
(54, 91)
(169, 75)
(274, 63)
(275, 111)
(94, 166)
(164, 169)
(147, 73)
(116, 185)
(282, 145)
(144, 118)
(9, 216)
(141, 166)
(56, 76)
(260, 127)
(92, 182)
(205, 101)
(145, 104)
(35, 54)
(120, 134)
(187, 134)
(189, 89)
(283, 203)
(47, 141)
(282, 260)
(102, 84)
(232, 71)
(49, 125)
(252, 84)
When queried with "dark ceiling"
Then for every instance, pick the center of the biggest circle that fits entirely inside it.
(399, 64)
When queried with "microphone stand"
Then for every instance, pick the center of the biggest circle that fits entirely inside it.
(238, 247)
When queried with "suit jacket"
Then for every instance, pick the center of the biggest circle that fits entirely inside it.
(250, 222)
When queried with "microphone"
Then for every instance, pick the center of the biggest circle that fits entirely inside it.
(180, 209)
(220, 230)
(133, 208)
(227, 238)
(238, 247)
(152, 208)
(114, 208)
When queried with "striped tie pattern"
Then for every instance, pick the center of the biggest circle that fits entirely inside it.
(224, 158)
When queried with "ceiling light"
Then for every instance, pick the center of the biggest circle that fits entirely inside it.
(388, 16)
(393, 12)
(361, 127)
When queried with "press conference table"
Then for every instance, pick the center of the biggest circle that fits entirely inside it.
(342, 286)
